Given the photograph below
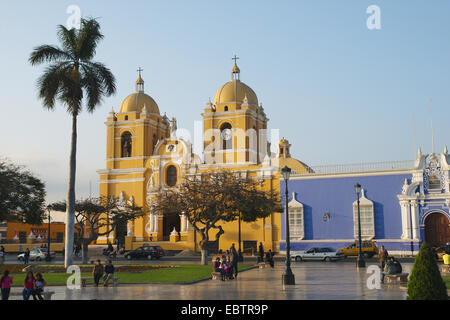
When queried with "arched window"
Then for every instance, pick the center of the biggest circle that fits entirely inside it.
(225, 109)
(171, 176)
(126, 145)
(227, 136)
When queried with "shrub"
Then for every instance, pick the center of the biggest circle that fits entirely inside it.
(425, 282)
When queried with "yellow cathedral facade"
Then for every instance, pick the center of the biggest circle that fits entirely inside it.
(144, 156)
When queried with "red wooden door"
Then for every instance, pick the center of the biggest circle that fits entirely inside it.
(437, 229)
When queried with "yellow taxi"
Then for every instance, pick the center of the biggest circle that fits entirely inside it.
(368, 248)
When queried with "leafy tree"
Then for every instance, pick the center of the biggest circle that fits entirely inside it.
(101, 216)
(22, 195)
(425, 282)
(213, 199)
(71, 77)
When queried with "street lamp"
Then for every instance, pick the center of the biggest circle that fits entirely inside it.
(360, 260)
(240, 256)
(48, 257)
(288, 277)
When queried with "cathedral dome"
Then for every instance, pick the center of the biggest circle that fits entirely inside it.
(135, 102)
(225, 94)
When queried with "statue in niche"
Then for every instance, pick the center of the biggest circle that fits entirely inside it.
(126, 145)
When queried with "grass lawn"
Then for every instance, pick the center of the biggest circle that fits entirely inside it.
(183, 273)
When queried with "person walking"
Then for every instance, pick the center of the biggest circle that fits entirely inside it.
(234, 260)
(261, 252)
(38, 287)
(5, 283)
(20, 249)
(109, 273)
(28, 286)
(26, 256)
(97, 272)
(3, 254)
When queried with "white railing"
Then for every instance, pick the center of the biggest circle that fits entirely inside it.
(360, 167)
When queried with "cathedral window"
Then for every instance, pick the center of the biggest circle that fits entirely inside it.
(225, 109)
(367, 216)
(171, 176)
(226, 136)
(126, 145)
(126, 117)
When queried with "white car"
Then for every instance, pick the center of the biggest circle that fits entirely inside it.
(36, 254)
(323, 254)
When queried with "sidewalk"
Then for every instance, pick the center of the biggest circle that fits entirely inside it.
(314, 280)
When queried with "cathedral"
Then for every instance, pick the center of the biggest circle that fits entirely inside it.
(144, 156)
(402, 203)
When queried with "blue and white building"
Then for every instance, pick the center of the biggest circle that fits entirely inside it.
(402, 204)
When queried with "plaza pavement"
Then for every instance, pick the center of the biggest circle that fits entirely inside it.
(314, 281)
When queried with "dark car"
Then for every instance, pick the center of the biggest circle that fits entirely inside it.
(146, 252)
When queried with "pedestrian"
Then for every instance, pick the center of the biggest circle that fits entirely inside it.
(28, 286)
(382, 256)
(5, 283)
(229, 272)
(20, 249)
(26, 256)
(97, 272)
(261, 252)
(234, 260)
(3, 254)
(38, 287)
(269, 258)
(109, 273)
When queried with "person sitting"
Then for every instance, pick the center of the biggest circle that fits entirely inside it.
(39, 285)
(109, 273)
(226, 267)
(398, 266)
(389, 268)
(217, 268)
(269, 258)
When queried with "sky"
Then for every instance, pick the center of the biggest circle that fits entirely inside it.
(340, 92)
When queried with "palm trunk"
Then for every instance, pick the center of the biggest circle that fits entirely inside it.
(70, 214)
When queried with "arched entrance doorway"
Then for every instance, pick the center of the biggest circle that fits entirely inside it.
(170, 221)
(437, 229)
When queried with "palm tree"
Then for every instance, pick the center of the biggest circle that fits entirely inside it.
(70, 76)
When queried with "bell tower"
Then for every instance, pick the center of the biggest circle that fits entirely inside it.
(234, 124)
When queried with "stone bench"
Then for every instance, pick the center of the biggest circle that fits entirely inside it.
(396, 278)
(47, 294)
(445, 269)
(115, 281)
(216, 275)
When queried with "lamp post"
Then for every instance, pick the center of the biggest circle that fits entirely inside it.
(360, 263)
(288, 277)
(240, 256)
(48, 257)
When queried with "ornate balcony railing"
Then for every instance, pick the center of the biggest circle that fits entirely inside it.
(359, 167)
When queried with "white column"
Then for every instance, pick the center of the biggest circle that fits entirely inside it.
(415, 219)
(405, 219)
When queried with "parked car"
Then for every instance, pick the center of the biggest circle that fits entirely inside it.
(325, 254)
(368, 248)
(36, 254)
(147, 252)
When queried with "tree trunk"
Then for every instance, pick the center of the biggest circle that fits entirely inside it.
(85, 249)
(203, 246)
(70, 214)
